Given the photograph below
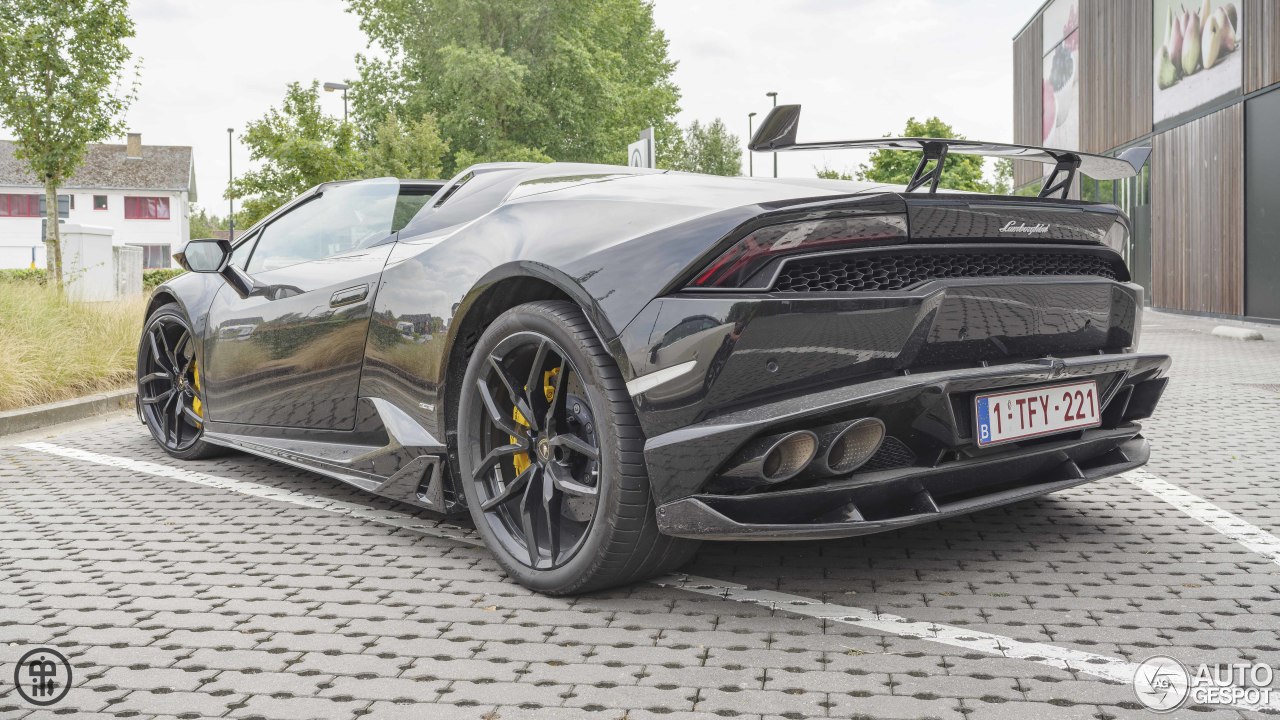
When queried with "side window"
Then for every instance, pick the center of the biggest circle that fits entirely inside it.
(342, 218)
(408, 204)
(240, 256)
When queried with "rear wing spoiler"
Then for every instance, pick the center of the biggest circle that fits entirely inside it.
(778, 134)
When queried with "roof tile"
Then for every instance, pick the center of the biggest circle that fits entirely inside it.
(161, 167)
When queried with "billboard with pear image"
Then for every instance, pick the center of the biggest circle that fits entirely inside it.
(1060, 87)
(1197, 57)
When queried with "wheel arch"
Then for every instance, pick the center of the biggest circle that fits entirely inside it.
(162, 296)
(501, 289)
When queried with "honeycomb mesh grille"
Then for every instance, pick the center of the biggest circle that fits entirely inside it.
(892, 454)
(853, 273)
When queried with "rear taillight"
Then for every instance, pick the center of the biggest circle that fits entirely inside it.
(736, 266)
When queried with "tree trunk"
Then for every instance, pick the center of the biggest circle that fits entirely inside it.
(52, 237)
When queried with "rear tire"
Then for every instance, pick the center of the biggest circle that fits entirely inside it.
(576, 472)
(169, 398)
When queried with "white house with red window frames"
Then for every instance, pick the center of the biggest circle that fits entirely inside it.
(142, 192)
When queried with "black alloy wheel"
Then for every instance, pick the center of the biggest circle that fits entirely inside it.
(536, 480)
(551, 457)
(169, 398)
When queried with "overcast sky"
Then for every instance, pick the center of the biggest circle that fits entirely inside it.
(859, 67)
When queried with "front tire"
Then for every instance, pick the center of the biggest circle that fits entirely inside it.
(169, 397)
(552, 457)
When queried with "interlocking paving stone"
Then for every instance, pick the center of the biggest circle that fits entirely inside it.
(239, 606)
(155, 678)
(298, 708)
(175, 703)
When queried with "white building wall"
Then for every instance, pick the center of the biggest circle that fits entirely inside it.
(19, 235)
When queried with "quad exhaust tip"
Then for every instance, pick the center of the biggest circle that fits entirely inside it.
(838, 450)
(789, 456)
(847, 448)
(776, 458)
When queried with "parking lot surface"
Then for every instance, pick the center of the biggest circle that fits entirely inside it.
(242, 588)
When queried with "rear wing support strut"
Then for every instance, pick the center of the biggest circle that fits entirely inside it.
(937, 152)
(1066, 167)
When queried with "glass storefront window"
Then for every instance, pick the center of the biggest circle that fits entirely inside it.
(1099, 191)
(1133, 197)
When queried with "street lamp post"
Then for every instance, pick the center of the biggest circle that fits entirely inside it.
(331, 86)
(774, 96)
(751, 171)
(231, 211)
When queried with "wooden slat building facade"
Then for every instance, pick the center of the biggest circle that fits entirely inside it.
(1262, 46)
(1198, 168)
(1027, 72)
(1115, 73)
(1197, 215)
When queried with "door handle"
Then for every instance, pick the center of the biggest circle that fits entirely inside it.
(348, 296)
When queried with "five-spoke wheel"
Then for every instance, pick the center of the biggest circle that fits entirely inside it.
(551, 456)
(537, 480)
(169, 397)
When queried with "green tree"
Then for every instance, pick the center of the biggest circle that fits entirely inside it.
(62, 65)
(826, 172)
(405, 149)
(298, 147)
(574, 80)
(1003, 184)
(962, 172)
(203, 224)
(709, 149)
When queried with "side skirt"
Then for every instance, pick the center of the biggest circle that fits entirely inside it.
(389, 454)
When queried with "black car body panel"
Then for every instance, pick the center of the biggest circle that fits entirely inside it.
(351, 365)
(273, 360)
(750, 350)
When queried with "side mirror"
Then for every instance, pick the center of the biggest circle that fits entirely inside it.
(213, 255)
(204, 256)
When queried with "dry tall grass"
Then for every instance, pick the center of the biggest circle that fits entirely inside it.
(52, 349)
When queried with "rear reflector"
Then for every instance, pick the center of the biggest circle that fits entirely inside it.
(736, 265)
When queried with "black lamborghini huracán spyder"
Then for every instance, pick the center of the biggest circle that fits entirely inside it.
(605, 365)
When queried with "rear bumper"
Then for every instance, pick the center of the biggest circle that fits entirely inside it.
(750, 368)
(932, 469)
(900, 498)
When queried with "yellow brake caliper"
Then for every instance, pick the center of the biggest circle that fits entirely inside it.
(521, 461)
(196, 405)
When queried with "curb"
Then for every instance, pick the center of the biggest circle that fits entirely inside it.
(33, 418)
(1237, 333)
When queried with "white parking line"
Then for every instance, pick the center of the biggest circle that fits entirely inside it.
(244, 487)
(1102, 666)
(1233, 526)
